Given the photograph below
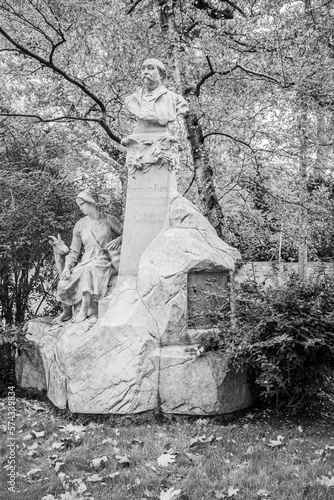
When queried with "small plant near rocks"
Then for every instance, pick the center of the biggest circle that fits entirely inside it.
(286, 336)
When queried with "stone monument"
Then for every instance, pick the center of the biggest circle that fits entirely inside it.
(141, 353)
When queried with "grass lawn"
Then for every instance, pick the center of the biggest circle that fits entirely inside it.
(252, 455)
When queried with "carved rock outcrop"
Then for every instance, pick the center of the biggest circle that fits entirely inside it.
(138, 354)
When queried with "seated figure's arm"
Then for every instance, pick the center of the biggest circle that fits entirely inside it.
(181, 105)
(73, 255)
(117, 228)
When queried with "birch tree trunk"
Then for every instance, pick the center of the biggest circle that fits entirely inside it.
(302, 254)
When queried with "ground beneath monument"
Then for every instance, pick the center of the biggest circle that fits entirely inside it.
(252, 454)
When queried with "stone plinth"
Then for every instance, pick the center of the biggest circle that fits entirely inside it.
(201, 385)
(147, 201)
(136, 354)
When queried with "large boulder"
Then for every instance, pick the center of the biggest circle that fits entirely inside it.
(137, 357)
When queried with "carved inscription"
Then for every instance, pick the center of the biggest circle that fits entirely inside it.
(208, 298)
(146, 210)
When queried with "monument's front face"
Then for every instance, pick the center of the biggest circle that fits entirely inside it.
(173, 268)
(146, 210)
(152, 155)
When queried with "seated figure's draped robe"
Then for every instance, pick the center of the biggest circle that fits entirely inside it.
(93, 272)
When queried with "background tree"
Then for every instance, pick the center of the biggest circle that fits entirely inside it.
(249, 70)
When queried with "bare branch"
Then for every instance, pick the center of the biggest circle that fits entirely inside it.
(235, 7)
(191, 183)
(133, 6)
(229, 137)
(66, 118)
(197, 89)
(261, 75)
(49, 64)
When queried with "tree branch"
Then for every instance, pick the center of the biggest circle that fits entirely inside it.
(197, 89)
(229, 137)
(133, 6)
(67, 118)
(49, 64)
(191, 183)
(235, 7)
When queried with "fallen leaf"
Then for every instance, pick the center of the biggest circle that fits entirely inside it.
(109, 440)
(250, 450)
(193, 457)
(33, 446)
(113, 475)
(38, 434)
(58, 445)
(82, 488)
(58, 466)
(72, 428)
(326, 481)
(263, 494)
(94, 478)
(123, 459)
(28, 437)
(151, 467)
(98, 463)
(278, 442)
(220, 495)
(166, 459)
(169, 494)
(34, 472)
(68, 496)
(231, 492)
(201, 440)
(137, 441)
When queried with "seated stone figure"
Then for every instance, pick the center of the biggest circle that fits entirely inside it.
(86, 281)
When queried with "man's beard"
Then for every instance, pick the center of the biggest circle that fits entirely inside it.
(149, 82)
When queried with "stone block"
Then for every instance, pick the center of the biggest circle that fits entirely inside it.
(199, 385)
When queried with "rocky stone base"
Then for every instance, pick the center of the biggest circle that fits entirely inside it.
(138, 356)
(178, 380)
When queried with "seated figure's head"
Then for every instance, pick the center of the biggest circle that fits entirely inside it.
(87, 202)
(153, 73)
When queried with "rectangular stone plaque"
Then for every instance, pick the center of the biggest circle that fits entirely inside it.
(147, 202)
(208, 298)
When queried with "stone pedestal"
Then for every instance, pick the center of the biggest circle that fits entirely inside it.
(139, 354)
(147, 201)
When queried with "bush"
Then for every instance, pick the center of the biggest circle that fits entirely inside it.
(286, 335)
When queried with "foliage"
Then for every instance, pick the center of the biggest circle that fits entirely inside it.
(34, 203)
(286, 336)
(249, 70)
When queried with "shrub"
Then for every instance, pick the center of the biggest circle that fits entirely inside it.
(286, 335)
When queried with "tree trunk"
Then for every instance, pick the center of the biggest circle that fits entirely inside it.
(204, 174)
(202, 169)
(6, 308)
(302, 254)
